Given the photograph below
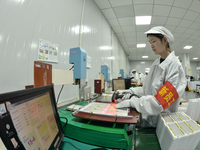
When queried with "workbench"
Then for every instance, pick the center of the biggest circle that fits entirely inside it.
(102, 134)
(86, 134)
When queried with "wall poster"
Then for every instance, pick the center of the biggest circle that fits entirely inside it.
(47, 51)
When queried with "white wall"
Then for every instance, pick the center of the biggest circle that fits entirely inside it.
(140, 65)
(24, 22)
(194, 66)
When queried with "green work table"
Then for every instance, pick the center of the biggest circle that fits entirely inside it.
(103, 134)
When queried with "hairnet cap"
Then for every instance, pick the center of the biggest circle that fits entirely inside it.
(133, 70)
(162, 30)
(147, 70)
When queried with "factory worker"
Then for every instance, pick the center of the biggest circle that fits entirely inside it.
(141, 77)
(134, 77)
(146, 73)
(165, 83)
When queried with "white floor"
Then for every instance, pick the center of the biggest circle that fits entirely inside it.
(189, 95)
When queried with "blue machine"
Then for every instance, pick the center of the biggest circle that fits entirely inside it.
(127, 75)
(122, 72)
(104, 71)
(78, 57)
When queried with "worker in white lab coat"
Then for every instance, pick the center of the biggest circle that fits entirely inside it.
(165, 83)
(146, 73)
(134, 77)
(141, 77)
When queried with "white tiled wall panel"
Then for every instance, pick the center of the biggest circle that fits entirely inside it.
(24, 22)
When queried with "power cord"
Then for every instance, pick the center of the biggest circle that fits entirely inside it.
(72, 145)
(71, 67)
(65, 122)
(59, 93)
(66, 136)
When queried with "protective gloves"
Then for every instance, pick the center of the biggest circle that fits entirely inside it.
(123, 104)
(124, 91)
(126, 96)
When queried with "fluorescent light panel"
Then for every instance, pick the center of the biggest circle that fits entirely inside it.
(195, 58)
(145, 56)
(105, 48)
(141, 45)
(112, 57)
(142, 20)
(187, 47)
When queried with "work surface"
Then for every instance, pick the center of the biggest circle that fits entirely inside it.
(110, 135)
(106, 112)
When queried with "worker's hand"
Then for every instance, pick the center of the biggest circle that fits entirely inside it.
(123, 104)
(123, 91)
(126, 96)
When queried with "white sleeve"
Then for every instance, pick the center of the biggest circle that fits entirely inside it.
(137, 90)
(147, 105)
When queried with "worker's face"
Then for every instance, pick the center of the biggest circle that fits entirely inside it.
(158, 46)
(134, 72)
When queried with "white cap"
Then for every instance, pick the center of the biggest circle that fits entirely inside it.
(133, 70)
(162, 30)
(147, 70)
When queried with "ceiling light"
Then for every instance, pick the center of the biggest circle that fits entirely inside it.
(83, 29)
(141, 45)
(195, 58)
(145, 56)
(105, 48)
(142, 62)
(187, 47)
(112, 57)
(142, 20)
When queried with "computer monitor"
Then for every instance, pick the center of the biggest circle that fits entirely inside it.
(29, 120)
(121, 84)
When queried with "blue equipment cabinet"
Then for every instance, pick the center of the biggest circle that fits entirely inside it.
(122, 72)
(78, 57)
(105, 72)
(127, 76)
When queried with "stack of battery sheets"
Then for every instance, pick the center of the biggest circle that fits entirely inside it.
(177, 131)
(193, 109)
(105, 98)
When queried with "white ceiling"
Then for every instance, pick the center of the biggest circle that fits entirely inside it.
(181, 17)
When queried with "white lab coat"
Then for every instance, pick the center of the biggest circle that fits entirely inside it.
(141, 77)
(169, 70)
(145, 76)
(136, 78)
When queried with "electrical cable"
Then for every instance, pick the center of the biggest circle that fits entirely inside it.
(65, 122)
(134, 95)
(66, 136)
(72, 145)
(59, 93)
(71, 67)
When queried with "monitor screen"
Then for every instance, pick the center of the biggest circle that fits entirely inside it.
(118, 84)
(29, 120)
(121, 84)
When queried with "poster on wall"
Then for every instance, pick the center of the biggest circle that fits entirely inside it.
(47, 51)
